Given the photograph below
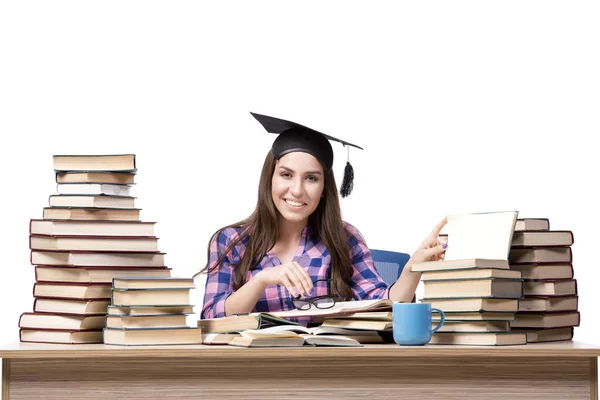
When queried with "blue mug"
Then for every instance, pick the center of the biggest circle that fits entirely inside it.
(412, 323)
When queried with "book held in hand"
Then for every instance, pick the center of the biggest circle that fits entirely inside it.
(480, 235)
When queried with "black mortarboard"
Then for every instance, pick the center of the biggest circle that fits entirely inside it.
(295, 137)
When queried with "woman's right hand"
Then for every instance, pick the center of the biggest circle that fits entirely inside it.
(291, 275)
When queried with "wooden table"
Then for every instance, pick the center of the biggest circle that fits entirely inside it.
(562, 370)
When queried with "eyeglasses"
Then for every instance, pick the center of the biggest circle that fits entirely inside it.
(321, 302)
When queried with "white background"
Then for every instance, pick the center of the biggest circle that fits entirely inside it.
(461, 106)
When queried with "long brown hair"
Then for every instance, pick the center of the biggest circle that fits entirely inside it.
(261, 226)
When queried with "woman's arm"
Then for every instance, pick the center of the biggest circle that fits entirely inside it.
(430, 250)
(220, 298)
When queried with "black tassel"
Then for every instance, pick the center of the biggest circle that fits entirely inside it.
(348, 181)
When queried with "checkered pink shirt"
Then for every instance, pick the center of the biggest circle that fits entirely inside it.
(311, 254)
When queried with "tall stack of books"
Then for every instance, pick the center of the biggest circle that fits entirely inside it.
(473, 285)
(150, 311)
(549, 310)
(89, 234)
(479, 298)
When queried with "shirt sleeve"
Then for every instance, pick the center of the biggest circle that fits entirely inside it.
(366, 283)
(220, 281)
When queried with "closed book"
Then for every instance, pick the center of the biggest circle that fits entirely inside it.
(499, 288)
(542, 238)
(544, 271)
(472, 273)
(548, 303)
(94, 243)
(533, 255)
(87, 213)
(91, 228)
(91, 274)
(476, 304)
(546, 335)
(123, 178)
(473, 326)
(77, 307)
(545, 320)
(532, 224)
(56, 321)
(97, 189)
(159, 336)
(150, 310)
(360, 324)
(239, 323)
(87, 291)
(153, 283)
(479, 338)
(94, 162)
(459, 264)
(476, 316)
(550, 288)
(140, 297)
(96, 259)
(101, 201)
(60, 336)
(146, 321)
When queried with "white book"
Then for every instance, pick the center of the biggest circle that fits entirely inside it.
(109, 189)
(482, 235)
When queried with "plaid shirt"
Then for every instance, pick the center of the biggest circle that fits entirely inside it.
(311, 254)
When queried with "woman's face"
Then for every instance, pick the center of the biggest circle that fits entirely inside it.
(297, 185)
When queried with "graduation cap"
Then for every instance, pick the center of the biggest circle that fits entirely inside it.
(294, 137)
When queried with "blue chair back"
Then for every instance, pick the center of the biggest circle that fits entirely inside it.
(389, 264)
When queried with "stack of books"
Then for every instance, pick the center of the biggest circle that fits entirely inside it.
(549, 310)
(90, 234)
(479, 298)
(150, 311)
(473, 285)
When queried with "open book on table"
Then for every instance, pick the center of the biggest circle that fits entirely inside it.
(276, 337)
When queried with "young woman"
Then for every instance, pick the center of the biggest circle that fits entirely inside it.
(295, 244)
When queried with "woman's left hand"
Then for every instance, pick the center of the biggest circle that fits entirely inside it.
(431, 249)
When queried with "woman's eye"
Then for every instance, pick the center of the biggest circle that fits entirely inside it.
(286, 175)
(312, 178)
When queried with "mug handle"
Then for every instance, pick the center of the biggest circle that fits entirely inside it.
(441, 321)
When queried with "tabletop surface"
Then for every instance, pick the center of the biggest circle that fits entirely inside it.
(42, 350)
